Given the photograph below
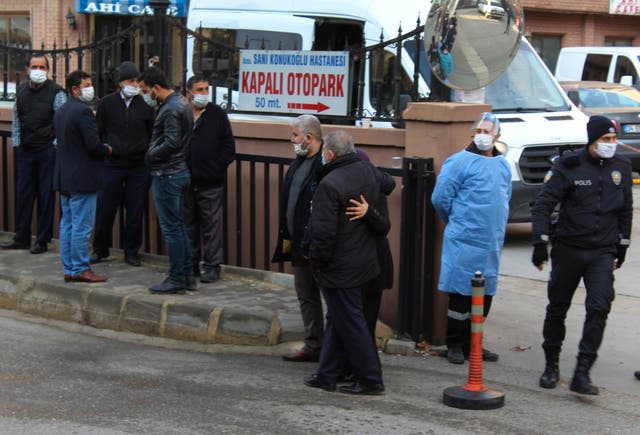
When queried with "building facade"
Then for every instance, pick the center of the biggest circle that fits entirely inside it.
(551, 25)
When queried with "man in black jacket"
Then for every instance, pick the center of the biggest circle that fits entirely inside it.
(590, 241)
(125, 123)
(167, 161)
(32, 135)
(295, 204)
(343, 257)
(212, 149)
(78, 176)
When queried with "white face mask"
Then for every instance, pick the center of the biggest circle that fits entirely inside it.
(201, 100)
(37, 76)
(484, 142)
(606, 150)
(87, 94)
(130, 91)
(297, 147)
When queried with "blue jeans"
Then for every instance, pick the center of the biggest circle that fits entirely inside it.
(168, 194)
(76, 222)
(35, 181)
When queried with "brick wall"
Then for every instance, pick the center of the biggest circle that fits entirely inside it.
(581, 29)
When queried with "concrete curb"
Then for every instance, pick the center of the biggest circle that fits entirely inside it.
(163, 316)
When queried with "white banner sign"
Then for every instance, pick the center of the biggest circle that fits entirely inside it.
(624, 7)
(294, 81)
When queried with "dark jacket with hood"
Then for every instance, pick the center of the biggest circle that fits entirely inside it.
(212, 148)
(343, 252)
(293, 242)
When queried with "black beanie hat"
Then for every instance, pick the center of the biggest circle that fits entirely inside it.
(127, 70)
(599, 126)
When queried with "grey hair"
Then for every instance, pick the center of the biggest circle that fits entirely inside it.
(308, 124)
(340, 142)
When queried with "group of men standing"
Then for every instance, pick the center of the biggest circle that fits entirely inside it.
(141, 135)
(334, 216)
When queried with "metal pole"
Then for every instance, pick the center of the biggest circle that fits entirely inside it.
(160, 42)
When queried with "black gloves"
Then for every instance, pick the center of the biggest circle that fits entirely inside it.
(622, 252)
(540, 254)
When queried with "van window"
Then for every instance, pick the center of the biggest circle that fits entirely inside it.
(624, 67)
(215, 62)
(596, 67)
(525, 86)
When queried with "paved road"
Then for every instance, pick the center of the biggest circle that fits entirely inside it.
(73, 379)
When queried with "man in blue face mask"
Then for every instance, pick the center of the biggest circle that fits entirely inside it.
(589, 241)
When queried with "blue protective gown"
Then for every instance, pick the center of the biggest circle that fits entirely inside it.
(472, 197)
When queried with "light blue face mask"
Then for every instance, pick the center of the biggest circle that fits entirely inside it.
(150, 101)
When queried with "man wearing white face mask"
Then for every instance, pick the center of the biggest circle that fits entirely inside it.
(589, 241)
(78, 176)
(211, 151)
(125, 122)
(295, 204)
(33, 138)
(471, 196)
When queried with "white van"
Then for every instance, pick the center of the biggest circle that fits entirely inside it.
(602, 64)
(536, 115)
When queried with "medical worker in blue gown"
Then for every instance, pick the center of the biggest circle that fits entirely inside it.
(472, 198)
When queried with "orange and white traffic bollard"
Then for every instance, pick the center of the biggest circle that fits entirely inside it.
(475, 395)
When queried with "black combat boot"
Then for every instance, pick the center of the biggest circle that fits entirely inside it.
(581, 382)
(551, 375)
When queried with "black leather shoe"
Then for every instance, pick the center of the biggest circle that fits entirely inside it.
(581, 384)
(96, 258)
(168, 286)
(359, 388)
(12, 244)
(637, 375)
(38, 248)
(455, 355)
(210, 274)
(191, 284)
(314, 382)
(550, 377)
(133, 260)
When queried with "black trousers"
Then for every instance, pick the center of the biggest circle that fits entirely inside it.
(347, 339)
(459, 319)
(35, 182)
(203, 218)
(568, 266)
(128, 186)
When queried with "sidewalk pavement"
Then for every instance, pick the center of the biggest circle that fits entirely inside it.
(260, 309)
(246, 307)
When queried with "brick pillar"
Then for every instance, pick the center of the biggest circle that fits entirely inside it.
(439, 130)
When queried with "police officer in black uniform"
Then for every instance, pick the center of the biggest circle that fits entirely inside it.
(589, 241)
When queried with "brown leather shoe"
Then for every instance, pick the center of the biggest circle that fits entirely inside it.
(68, 278)
(302, 356)
(88, 276)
